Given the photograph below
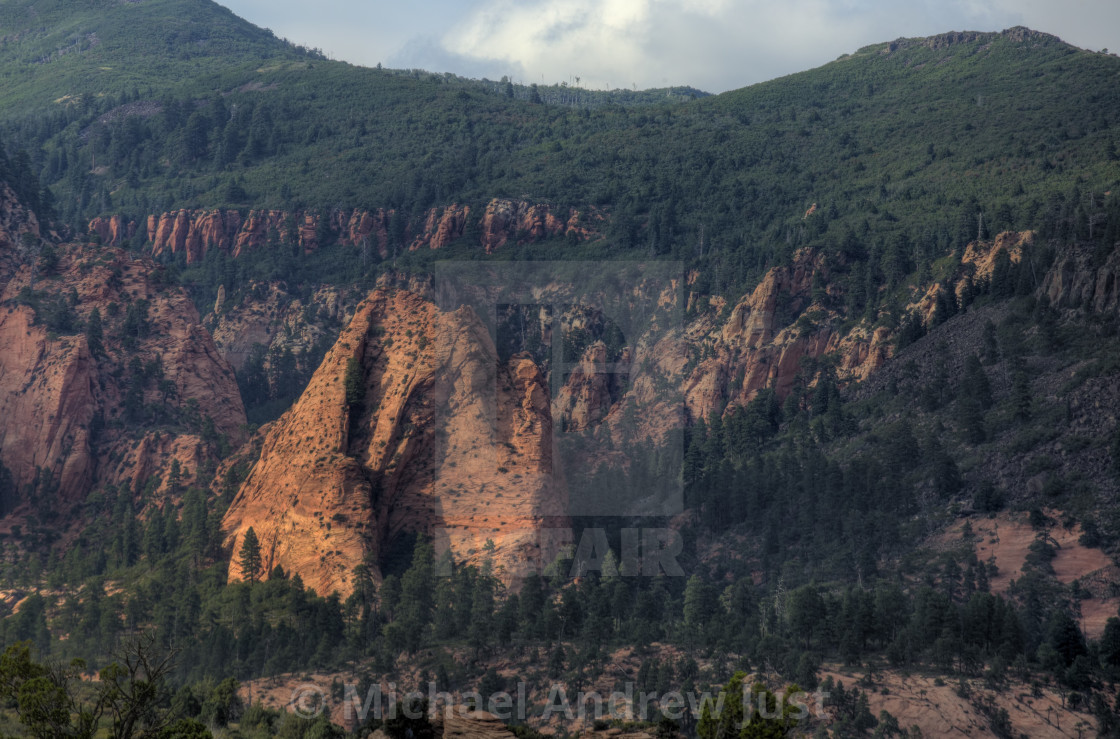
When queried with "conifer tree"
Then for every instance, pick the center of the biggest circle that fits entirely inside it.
(353, 382)
(250, 558)
(1021, 394)
(417, 586)
(94, 333)
(1115, 451)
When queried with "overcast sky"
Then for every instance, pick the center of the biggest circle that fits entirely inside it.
(715, 45)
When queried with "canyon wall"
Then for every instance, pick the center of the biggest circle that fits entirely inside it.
(84, 408)
(410, 425)
(194, 232)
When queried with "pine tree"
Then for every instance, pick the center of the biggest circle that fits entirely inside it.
(444, 623)
(1003, 277)
(154, 539)
(1021, 394)
(1110, 643)
(1115, 451)
(971, 420)
(910, 330)
(697, 607)
(250, 560)
(945, 307)
(482, 615)
(353, 383)
(390, 596)
(1066, 638)
(417, 586)
(174, 477)
(94, 334)
(806, 609)
(976, 384)
(991, 343)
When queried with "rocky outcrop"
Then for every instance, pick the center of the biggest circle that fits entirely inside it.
(719, 360)
(77, 415)
(981, 255)
(266, 317)
(366, 229)
(442, 227)
(591, 389)
(47, 398)
(152, 456)
(521, 222)
(1078, 280)
(767, 336)
(112, 230)
(194, 232)
(457, 722)
(947, 41)
(258, 227)
(435, 437)
(18, 226)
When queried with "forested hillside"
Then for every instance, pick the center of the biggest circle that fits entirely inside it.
(905, 142)
(897, 364)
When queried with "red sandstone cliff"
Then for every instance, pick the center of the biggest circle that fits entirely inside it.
(525, 222)
(194, 232)
(441, 227)
(76, 417)
(769, 333)
(444, 441)
(713, 364)
(112, 230)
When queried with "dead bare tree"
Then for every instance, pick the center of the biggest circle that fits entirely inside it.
(133, 688)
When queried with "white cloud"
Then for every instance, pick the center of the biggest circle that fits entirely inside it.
(558, 38)
(718, 44)
(425, 52)
(712, 44)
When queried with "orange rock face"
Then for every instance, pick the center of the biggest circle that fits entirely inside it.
(982, 254)
(255, 231)
(64, 403)
(364, 228)
(449, 443)
(47, 400)
(442, 228)
(444, 441)
(112, 230)
(762, 344)
(194, 232)
(506, 220)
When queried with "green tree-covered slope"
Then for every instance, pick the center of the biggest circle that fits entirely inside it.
(179, 104)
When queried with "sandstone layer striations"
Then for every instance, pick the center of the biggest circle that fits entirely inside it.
(410, 425)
